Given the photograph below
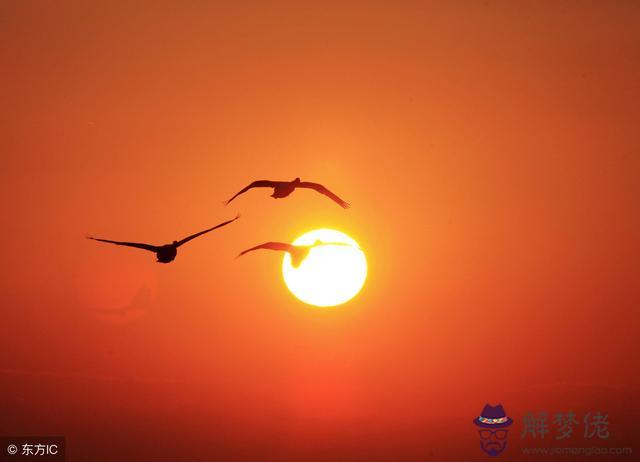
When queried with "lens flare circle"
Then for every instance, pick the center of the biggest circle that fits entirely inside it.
(331, 274)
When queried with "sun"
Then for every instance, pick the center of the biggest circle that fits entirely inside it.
(331, 274)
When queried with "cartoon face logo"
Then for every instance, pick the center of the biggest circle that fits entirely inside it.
(493, 431)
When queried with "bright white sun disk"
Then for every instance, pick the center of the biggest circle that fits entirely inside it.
(331, 274)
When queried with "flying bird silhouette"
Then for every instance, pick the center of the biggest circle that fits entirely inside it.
(165, 253)
(284, 188)
(298, 252)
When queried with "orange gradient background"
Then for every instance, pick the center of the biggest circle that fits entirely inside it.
(490, 152)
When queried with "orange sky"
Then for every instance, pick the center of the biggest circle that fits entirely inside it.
(489, 150)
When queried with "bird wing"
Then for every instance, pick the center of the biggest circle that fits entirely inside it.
(282, 246)
(193, 236)
(256, 184)
(137, 245)
(322, 190)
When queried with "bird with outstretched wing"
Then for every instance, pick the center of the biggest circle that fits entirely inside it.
(138, 245)
(165, 253)
(322, 190)
(258, 184)
(283, 189)
(298, 252)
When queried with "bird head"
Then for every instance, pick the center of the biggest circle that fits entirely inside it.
(297, 180)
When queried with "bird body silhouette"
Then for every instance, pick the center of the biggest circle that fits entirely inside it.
(164, 253)
(298, 252)
(285, 188)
